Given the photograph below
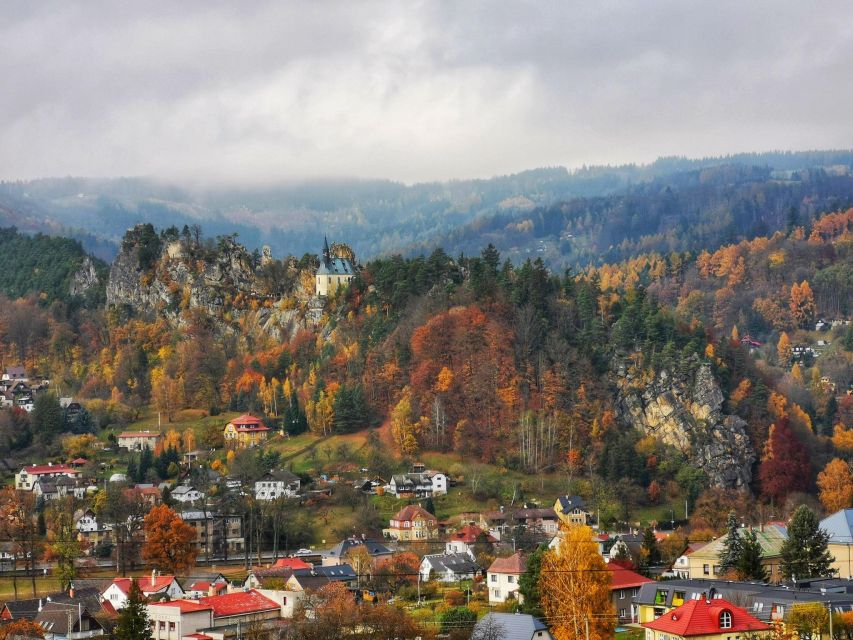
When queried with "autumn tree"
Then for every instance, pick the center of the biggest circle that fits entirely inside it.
(785, 466)
(21, 629)
(18, 525)
(575, 587)
(168, 541)
(63, 546)
(132, 623)
(836, 486)
(783, 348)
(805, 554)
(802, 304)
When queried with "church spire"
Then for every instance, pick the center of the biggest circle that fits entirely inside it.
(327, 256)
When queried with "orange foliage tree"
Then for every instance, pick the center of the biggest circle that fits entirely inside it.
(575, 586)
(802, 303)
(168, 541)
(836, 486)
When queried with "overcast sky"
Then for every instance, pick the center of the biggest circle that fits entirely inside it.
(260, 91)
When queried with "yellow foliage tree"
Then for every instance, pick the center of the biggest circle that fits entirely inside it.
(802, 303)
(842, 438)
(189, 440)
(797, 373)
(836, 486)
(741, 392)
(444, 380)
(172, 440)
(575, 586)
(404, 428)
(783, 348)
(777, 405)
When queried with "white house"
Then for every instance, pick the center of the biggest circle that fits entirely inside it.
(87, 523)
(419, 485)
(502, 578)
(183, 494)
(449, 567)
(26, 477)
(117, 593)
(177, 619)
(276, 484)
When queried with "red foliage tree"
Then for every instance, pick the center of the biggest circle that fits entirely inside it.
(785, 465)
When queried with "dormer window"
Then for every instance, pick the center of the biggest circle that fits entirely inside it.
(726, 620)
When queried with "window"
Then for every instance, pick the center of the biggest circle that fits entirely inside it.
(494, 577)
(706, 569)
(162, 624)
(726, 620)
(171, 626)
(635, 593)
(660, 596)
(621, 594)
(622, 613)
(510, 579)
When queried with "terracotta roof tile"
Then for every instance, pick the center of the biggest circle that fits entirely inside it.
(701, 618)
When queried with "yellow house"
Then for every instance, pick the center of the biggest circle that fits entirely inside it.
(332, 273)
(412, 523)
(839, 526)
(705, 562)
(245, 431)
(571, 510)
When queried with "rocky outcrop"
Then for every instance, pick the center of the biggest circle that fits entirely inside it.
(224, 285)
(84, 279)
(686, 412)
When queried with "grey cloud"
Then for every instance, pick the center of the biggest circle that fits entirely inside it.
(256, 91)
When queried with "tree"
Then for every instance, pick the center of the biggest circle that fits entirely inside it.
(802, 303)
(749, 566)
(575, 587)
(64, 547)
(730, 554)
(809, 619)
(649, 550)
(18, 524)
(168, 541)
(46, 418)
(805, 554)
(836, 486)
(132, 623)
(458, 622)
(528, 583)
(21, 629)
(785, 466)
(783, 348)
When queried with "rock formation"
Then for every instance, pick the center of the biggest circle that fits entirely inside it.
(85, 278)
(686, 412)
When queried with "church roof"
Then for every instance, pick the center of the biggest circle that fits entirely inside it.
(336, 267)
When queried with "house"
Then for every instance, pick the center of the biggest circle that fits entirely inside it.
(215, 534)
(418, 485)
(506, 523)
(87, 598)
(17, 372)
(155, 585)
(282, 569)
(705, 562)
(66, 620)
(207, 586)
(184, 493)
(465, 538)
(340, 552)
(681, 566)
(749, 341)
(571, 510)
(839, 526)
(26, 477)
(90, 530)
(333, 273)
(624, 587)
(511, 626)
(139, 440)
(279, 483)
(708, 618)
(449, 567)
(502, 578)
(245, 431)
(178, 619)
(317, 577)
(412, 523)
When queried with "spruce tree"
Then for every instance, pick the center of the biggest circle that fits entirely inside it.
(132, 621)
(748, 565)
(528, 583)
(805, 553)
(730, 554)
(650, 551)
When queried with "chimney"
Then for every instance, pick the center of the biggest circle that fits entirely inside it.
(153, 576)
(211, 589)
(39, 605)
(71, 591)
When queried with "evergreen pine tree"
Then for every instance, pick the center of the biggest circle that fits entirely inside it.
(748, 566)
(730, 554)
(805, 553)
(650, 551)
(132, 621)
(528, 583)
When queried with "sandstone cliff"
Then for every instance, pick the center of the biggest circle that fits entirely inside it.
(224, 283)
(686, 412)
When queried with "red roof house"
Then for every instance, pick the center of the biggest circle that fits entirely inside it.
(291, 563)
(715, 619)
(624, 587)
(249, 604)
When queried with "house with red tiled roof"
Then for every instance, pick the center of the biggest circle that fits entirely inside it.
(625, 585)
(412, 522)
(241, 606)
(150, 586)
(245, 431)
(26, 478)
(278, 572)
(502, 578)
(178, 619)
(708, 619)
(463, 540)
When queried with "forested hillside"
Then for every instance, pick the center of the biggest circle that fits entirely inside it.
(635, 382)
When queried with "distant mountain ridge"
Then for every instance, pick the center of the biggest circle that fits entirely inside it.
(380, 217)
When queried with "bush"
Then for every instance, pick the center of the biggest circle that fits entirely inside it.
(454, 598)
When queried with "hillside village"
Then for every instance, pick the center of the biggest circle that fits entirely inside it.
(252, 444)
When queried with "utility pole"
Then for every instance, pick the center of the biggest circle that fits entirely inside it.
(829, 606)
(586, 627)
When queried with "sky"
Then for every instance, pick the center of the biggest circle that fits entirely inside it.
(256, 92)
